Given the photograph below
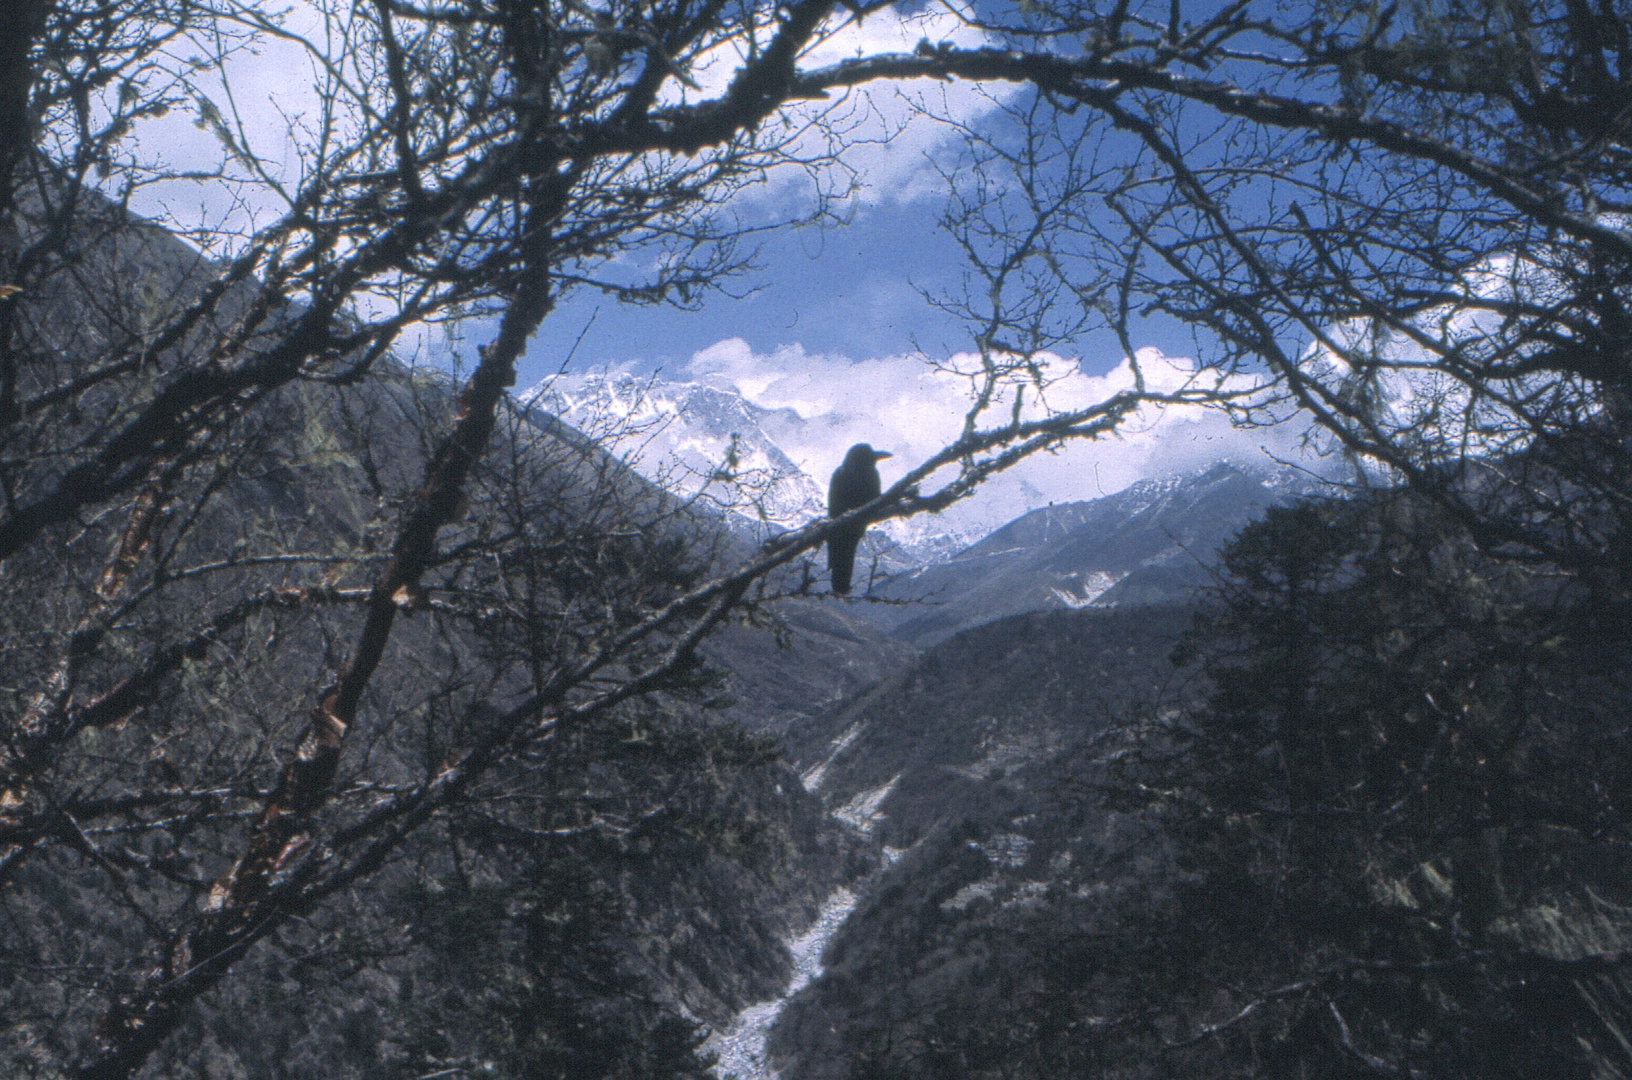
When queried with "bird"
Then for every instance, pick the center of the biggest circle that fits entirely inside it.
(855, 483)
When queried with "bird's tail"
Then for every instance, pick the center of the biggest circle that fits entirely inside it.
(841, 562)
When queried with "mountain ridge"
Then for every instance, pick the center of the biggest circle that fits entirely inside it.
(1149, 543)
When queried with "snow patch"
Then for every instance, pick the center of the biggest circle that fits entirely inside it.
(813, 779)
(862, 811)
(1093, 586)
(975, 890)
(1006, 849)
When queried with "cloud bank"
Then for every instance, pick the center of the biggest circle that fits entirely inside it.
(807, 410)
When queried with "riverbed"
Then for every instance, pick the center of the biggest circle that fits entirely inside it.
(741, 1046)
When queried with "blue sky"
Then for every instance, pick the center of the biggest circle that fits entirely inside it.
(848, 290)
(832, 325)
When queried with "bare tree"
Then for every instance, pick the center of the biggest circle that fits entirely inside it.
(276, 603)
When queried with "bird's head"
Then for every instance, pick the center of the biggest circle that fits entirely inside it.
(863, 454)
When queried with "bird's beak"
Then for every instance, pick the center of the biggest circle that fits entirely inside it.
(881, 453)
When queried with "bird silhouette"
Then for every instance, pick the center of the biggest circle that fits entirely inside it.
(855, 483)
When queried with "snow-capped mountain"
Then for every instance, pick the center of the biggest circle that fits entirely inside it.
(712, 443)
(687, 434)
(1147, 543)
(760, 434)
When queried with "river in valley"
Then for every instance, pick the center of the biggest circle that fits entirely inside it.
(741, 1046)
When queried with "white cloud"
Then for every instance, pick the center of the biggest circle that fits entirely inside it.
(902, 404)
(812, 408)
(270, 92)
(895, 131)
(1429, 388)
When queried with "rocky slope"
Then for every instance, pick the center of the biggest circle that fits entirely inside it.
(672, 854)
(663, 858)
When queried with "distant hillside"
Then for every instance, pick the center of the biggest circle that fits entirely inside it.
(683, 851)
(1150, 543)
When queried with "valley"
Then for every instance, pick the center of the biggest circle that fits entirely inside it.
(970, 765)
